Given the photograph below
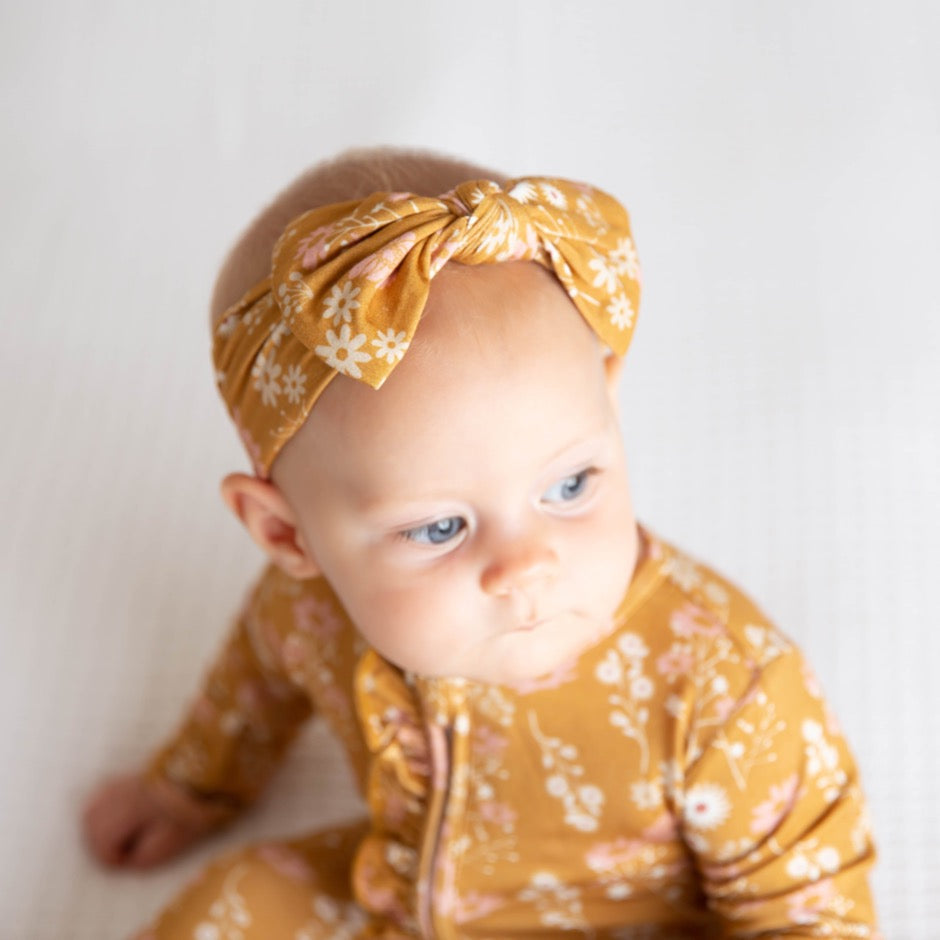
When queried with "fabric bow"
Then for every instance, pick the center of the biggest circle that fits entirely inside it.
(350, 282)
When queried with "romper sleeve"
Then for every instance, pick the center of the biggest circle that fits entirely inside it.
(767, 794)
(248, 710)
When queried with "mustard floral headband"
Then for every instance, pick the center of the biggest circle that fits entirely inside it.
(349, 283)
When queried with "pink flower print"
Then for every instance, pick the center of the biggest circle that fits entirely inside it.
(295, 653)
(767, 815)
(613, 856)
(682, 623)
(316, 618)
(378, 268)
(691, 620)
(723, 707)
(498, 814)
(675, 662)
(287, 862)
(805, 906)
(487, 743)
(314, 247)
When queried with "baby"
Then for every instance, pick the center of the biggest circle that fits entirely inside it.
(559, 722)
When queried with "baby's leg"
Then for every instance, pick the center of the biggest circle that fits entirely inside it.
(298, 890)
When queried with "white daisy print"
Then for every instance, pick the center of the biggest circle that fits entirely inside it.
(227, 325)
(390, 345)
(606, 277)
(641, 688)
(523, 192)
(341, 303)
(646, 794)
(294, 383)
(632, 646)
(554, 196)
(625, 259)
(342, 351)
(279, 332)
(673, 706)
(706, 806)
(266, 373)
(621, 311)
(292, 299)
(609, 670)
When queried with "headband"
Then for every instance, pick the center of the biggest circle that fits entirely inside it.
(349, 283)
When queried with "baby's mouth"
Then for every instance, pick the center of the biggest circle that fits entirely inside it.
(529, 626)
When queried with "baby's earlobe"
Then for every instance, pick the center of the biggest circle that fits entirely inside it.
(613, 365)
(262, 509)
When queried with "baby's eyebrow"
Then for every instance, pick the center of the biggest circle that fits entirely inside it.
(586, 442)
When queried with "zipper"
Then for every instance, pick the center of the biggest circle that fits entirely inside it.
(439, 739)
(448, 745)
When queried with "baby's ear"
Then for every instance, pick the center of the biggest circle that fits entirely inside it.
(613, 364)
(264, 512)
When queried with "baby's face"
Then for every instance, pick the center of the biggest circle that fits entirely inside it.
(474, 514)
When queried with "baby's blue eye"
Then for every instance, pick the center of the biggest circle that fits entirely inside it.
(567, 489)
(436, 533)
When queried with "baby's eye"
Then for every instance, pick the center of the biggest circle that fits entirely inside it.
(436, 533)
(571, 487)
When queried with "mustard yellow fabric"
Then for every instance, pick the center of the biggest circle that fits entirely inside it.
(349, 283)
(683, 778)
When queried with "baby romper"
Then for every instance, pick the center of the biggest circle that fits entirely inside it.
(683, 778)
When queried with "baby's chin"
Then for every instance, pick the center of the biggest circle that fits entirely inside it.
(542, 657)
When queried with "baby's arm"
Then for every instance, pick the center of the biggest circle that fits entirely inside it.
(771, 804)
(229, 744)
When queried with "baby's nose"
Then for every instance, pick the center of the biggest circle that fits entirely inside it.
(520, 564)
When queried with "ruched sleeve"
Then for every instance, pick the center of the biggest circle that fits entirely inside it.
(767, 793)
(249, 709)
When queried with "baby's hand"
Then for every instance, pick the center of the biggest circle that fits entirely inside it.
(136, 822)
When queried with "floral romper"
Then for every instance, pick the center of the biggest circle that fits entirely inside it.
(682, 778)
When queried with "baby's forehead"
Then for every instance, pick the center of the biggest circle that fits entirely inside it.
(495, 347)
(499, 308)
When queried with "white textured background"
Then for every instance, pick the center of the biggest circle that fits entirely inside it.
(782, 165)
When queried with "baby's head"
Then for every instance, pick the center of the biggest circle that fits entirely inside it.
(472, 514)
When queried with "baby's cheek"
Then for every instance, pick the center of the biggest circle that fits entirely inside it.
(614, 556)
(408, 627)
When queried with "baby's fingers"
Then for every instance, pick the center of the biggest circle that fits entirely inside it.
(114, 818)
(156, 843)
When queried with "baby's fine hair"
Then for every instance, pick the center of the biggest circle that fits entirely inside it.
(353, 174)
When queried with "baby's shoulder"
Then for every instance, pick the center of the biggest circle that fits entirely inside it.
(689, 601)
